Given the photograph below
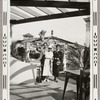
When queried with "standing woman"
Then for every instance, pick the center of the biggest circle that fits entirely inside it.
(48, 63)
(57, 61)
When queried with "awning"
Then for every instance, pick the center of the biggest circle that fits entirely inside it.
(23, 11)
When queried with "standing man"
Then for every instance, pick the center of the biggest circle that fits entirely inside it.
(57, 62)
(42, 61)
(42, 43)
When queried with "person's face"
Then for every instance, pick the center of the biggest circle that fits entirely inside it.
(58, 47)
(49, 49)
(46, 48)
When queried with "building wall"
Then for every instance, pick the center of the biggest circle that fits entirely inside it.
(25, 38)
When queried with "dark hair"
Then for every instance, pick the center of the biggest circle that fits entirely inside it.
(58, 45)
(49, 48)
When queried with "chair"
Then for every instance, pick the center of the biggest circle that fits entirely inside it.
(85, 84)
(73, 75)
(82, 83)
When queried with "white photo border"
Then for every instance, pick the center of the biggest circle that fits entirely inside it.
(6, 50)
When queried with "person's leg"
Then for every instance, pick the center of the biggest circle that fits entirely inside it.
(54, 71)
(56, 74)
(41, 71)
(55, 79)
(42, 67)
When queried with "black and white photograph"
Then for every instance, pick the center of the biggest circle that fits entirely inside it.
(50, 50)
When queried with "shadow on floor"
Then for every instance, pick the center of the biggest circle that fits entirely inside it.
(42, 92)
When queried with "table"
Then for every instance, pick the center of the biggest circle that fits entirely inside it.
(80, 77)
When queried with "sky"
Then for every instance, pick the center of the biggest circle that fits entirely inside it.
(71, 29)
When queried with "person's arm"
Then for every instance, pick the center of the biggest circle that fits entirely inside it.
(53, 55)
(41, 54)
(61, 56)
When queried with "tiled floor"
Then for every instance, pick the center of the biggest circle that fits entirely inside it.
(43, 91)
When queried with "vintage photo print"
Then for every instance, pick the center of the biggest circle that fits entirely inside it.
(50, 50)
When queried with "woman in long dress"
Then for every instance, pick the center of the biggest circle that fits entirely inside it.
(57, 61)
(48, 64)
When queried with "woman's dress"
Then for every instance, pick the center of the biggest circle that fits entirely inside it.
(58, 57)
(48, 64)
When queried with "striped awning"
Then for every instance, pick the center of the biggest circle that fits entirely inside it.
(23, 11)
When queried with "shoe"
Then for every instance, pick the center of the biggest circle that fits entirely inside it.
(56, 81)
(45, 80)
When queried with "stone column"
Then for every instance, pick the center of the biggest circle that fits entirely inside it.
(87, 41)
